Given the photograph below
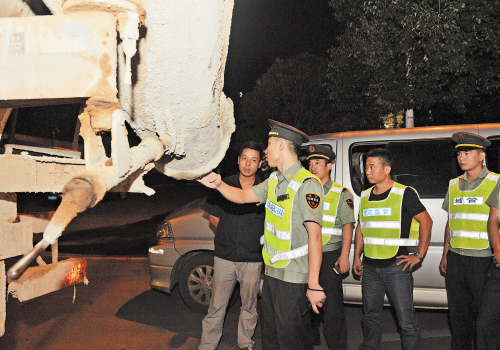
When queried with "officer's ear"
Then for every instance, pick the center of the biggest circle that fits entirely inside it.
(329, 166)
(387, 169)
(482, 155)
(281, 144)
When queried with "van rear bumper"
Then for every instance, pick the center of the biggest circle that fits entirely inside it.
(425, 298)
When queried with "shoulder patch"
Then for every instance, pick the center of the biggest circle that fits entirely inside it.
(350, 203)
(313, 200)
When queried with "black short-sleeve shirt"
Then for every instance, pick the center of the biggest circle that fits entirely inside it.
(411, 207)
(240, 227)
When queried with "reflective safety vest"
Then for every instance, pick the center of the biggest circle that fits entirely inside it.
(277, 244)
(380, 223)
(468, 214)
(331, 206)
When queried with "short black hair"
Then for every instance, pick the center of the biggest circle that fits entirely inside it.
(252, 145)
(293, 147)
(382, 153)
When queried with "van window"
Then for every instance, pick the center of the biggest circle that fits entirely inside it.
(426, 165)
(493, 155)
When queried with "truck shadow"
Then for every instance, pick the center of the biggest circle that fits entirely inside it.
(167, 311)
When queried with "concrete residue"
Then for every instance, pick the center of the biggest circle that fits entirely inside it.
(112, 6)
(180, 75)
(103, 93)
(100, 114)
(78, 195)
(175, 104)
(128, 24)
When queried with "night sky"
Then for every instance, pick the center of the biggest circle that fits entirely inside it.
(263, 30)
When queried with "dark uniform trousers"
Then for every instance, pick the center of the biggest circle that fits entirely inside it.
(465, 280)
(285, 325)
(333, 313)
(488, 321)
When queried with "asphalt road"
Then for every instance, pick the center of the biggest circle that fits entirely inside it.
(118, 310)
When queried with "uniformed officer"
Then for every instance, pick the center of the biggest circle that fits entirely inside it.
(466, 252)
(292, 246)
(338, 219)
(384, 233)
(488, 320)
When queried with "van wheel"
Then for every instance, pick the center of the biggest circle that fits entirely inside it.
(195, 283)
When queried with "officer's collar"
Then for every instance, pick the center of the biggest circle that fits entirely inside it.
(481, 175)
(290, 172)
(328, 184)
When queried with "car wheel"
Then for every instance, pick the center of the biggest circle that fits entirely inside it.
(195, 283)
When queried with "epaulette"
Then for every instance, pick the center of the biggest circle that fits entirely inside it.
(345, 189)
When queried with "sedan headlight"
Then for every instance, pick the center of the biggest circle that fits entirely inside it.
(164, 231)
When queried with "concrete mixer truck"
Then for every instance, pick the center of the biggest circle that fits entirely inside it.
(155, 65)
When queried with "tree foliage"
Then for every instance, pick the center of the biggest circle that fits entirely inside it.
(397, 55)
(292, 91)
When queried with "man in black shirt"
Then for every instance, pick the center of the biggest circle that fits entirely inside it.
(238, 256)
(383, 234)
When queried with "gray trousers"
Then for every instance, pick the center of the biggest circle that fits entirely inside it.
(226, 274)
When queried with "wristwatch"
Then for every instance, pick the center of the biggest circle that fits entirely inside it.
(420, 257)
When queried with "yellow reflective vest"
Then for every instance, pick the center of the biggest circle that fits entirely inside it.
(380, 223)
(468, 214)
(330, 210)
(278, 229)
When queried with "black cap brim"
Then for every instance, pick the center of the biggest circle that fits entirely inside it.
(287, 132)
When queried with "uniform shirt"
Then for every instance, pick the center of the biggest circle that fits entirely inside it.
(492, 200)
(298, 269)
(345, 214)
(464, 184)
(240, 227)
(411, 206)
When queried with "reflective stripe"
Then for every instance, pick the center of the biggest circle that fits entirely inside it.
(381, 224)
(331, 231)
(292, 254)
(397, 190)
(469, 234)
(284, 235)
(492, 177)
(329, 218)
(262, 239)
(469, 216)
(364, 194)
(391, 241)
(454, 181)
(294, 185)
(273, 176)
(337, 189)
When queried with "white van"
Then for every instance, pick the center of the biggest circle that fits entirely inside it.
(424, 158)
